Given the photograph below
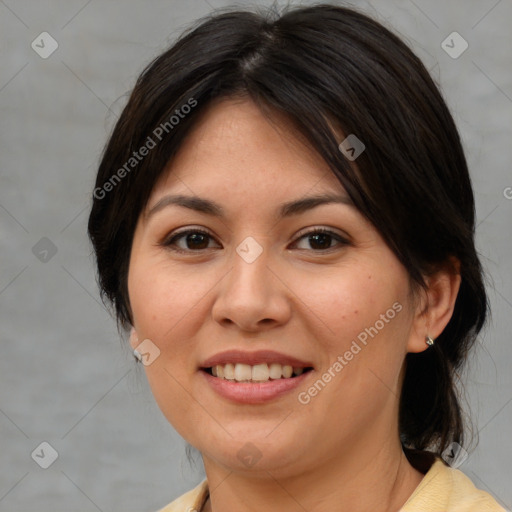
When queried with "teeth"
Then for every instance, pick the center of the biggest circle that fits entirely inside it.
(242, 372)
(258, 373)
(276, 370)
(229, 371)
(287, 371)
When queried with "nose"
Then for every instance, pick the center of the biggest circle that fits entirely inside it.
(252, 297)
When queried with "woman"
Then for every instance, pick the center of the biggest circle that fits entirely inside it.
(283, 217)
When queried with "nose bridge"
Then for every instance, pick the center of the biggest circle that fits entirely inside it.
(249, 268)
(251, 293)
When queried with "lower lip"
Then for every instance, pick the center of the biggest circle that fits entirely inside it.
(254, 393)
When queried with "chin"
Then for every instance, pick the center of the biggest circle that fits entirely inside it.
(257, 453)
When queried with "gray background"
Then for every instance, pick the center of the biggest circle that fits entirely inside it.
(65, 376)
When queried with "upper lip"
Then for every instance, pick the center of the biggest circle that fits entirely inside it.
(253, 358)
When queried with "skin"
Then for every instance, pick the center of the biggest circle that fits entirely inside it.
(296, 298)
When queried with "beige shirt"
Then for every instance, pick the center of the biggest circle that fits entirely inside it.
(442, 489)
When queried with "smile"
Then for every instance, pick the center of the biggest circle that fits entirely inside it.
(240, 372)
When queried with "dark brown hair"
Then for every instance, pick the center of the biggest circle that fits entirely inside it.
(329, 69)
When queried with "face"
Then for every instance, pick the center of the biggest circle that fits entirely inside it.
(315, 288)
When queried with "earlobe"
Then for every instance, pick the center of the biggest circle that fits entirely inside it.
(436, 308)
(134, 339)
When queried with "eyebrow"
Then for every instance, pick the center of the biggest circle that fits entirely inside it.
(215, 210)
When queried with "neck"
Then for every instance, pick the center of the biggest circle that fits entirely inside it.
(360, 480)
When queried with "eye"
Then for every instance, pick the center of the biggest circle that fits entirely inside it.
(320, 239)
(194, 239)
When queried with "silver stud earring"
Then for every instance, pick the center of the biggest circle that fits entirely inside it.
(429, 341)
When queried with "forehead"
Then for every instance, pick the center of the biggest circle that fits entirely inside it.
(235, 146)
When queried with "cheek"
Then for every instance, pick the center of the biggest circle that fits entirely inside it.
(361, 315)
(161, 297)
(348, 300)
(170, 306)
(166, 309)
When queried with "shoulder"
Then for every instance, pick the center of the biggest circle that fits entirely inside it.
(191, 501)
(444, 489)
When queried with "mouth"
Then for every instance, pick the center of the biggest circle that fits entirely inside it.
(256, 377)
(258, 373)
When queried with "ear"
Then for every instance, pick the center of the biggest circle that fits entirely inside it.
(134, 339)
(435, 306)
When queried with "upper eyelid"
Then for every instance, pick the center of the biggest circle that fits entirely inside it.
(314, 229)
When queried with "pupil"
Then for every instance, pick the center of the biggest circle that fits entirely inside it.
(196, 239)
(323, 236)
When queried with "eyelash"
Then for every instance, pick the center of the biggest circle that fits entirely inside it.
(170, 242)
